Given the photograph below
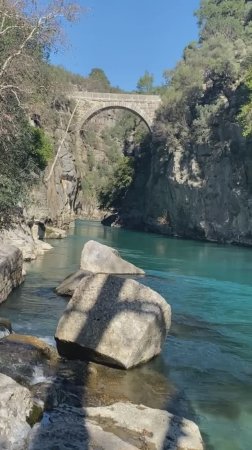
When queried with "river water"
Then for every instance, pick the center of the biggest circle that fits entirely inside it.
(207, 358)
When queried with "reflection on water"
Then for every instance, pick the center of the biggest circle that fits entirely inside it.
(207, 359)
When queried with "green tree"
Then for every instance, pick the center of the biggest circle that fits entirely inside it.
(227, 17)
(113, 192)
(145, 83)
(99, 78)
(245, 115)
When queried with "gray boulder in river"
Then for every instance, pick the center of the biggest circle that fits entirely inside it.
(114, 321)
(120, 426)
(99, 258)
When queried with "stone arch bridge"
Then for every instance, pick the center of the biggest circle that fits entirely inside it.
(91, 103)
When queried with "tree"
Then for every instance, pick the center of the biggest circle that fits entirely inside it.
(227, 17)
(114, 191)
(245, 116)
(145, 83)
(28, 32)
(100, 80)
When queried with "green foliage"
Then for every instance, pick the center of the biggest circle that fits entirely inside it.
(40, 148)
(203, 92)
(114, 190)
(99, 76)
(229, 18)
(245, 115)
(21, 161)
(145, 83)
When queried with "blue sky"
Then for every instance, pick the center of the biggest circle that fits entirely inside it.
(127, 37)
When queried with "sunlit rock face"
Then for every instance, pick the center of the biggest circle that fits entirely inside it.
(99, 258)
(114, 321)
(120, 426)
(11, 269)
(15, 408)
(198, 192)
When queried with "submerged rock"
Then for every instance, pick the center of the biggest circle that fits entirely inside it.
(46, 350)
(120, 426)
(16, 406)
(54, 233)
(70, 283)
(11, 269)
(5, 327)
(99, 258)
(114, 321)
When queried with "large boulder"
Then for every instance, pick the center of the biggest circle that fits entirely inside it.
(113, 320)
(11, 269)
(16, 407)
(121, 426)
(99, 258)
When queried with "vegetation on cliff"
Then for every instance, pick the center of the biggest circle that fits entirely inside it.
(111, 141)
(27, 34)
(245, 116)
(32, 92)
(207, 86)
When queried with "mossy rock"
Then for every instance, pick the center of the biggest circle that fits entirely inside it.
(47, 351)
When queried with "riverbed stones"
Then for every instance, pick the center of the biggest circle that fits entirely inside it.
(11, 265)
(113, 320)
(47, 351)
(54, 233)
(99, 258)
(120, 426)
(16, 405)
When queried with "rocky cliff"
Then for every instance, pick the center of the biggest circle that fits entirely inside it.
(199, 191)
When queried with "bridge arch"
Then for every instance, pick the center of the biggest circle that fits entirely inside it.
(91, 103)
(88, 115)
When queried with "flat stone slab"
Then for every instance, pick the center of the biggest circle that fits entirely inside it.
(121, 426)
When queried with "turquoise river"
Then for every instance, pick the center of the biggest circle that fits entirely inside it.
(207, 357)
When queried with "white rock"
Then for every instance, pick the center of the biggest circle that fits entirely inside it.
(99, 258)
(11, 269)
(15, 407)
(113, 320)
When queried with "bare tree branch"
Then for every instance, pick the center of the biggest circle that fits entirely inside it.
(62, 141)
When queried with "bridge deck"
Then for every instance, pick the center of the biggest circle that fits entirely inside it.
(110, 97)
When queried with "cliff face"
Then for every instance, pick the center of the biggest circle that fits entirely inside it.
(200, 192)
(85, 162)
(53, 198)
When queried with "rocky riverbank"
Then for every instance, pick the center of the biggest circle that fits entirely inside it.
(11, 270)
(79, 403)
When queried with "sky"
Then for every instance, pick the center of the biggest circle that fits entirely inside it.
(127, 37)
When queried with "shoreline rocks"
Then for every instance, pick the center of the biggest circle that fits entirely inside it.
(22, 236)
(11, 270)
(114, 321)
(16, 406)
(120, 426)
